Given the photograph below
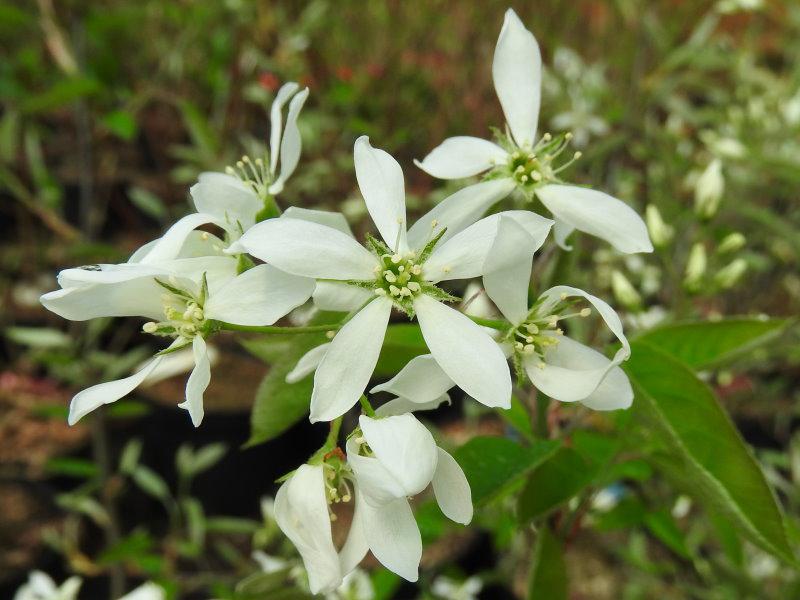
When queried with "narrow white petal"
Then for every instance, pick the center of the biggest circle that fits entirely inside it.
(198, 381)
(259, 296)
(458, 211)
(136, 297)
(462, 156)
(276, 118)
(401, 406)
(421, 380)
(348, 365)
(291, 143)
(377, 486)
(301, 511)
(234, 203)
(507, 269)
(471, 358)
(404, 447)
(380, 180)
(176, 363)
(307, 364)
(309, 250)
(323, 217)
(463, 256)
(452, 490)
(517, 74)
(339, 297)
(598, 214)
(356, 546)
(393, 537)
(105, 393)
(561, 231)
(170, 245)
(613, 393)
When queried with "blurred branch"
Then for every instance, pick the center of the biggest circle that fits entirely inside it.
(54, 39)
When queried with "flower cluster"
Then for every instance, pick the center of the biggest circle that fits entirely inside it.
(191, 284)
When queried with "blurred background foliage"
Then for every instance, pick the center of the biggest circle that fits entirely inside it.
(690, 111)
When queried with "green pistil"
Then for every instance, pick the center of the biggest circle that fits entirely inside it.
(398, 276)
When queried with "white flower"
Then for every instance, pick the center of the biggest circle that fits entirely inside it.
(40, 586)
(301, 511)
(529, 166)
(449, 589)
(233, 200)
(708, 190)
(183, 298)
(559, 366)
(146, 591)
(356, 585)
(392, 458)
(401, 271)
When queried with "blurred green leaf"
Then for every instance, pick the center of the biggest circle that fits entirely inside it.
(149, 481)
(231, 525)
(192, 462)
(121, 123)
(73, 467)
(702, 345)
(148, 203)
(403, 342)
(38, 337)
(548, 578)
(130, 456)
(706, 450)
(60, 93)
(85, 505)
(493, 464)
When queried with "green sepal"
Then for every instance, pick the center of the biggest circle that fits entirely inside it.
(378, 246)
(270, 210)
(426, 251)
(203, 290)
(244, 263)
(171, 349)
(438, 293)
(177, 291)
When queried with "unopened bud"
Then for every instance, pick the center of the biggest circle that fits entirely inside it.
(731, 243)
(729, 275)
(708, 190)
(660, 232)
(695, 266)
(624, 291)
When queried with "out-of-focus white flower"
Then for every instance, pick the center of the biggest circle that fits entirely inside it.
(624, 291)
(695, 266)
(401, 271)
(708, 191)
(183, 297)
(731, 243)
(529, 166)
(450, 589)
(40, 586)
(660, 232)
(729, 275)
(146, 591)
(233, 200)
(356, 585)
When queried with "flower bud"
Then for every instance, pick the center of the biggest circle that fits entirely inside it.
(730, 274)
(708, 190)
(624, 291)
(731, 243)
(660, 232)
(695, 266)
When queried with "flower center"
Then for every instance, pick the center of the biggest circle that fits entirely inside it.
(337, 478)
(398, 276)
(531, 167)
(253, 173)
(183, 314)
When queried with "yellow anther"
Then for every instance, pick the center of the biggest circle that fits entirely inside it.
(380, 292)
(330, 334)
(414, 286)
(568, 136)
(150, 327)
(563, 295)
(396, 258)
(204, 236)
(536, 176)
(394, 290)
(389, 276)
(528, 349)
(577, 155)
(586, 312)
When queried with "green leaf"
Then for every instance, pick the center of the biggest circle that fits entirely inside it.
(72, 467)
(121, 123)
(548, 579)
(148, 203)
(62, 92)
(38, 337)
(494, 464)
(190, 462)
(554, 482)
(706, 452)
(663, 526)
(706, 344)
(231, 525)
(403, 342)
(130, 456)
(149, 481)
(519, 418)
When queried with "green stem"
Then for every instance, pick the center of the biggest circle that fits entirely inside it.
(493, 323)
(277, 329)
(542, 404)
(370, 412)
(330, 444)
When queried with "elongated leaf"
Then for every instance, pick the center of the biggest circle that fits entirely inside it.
(493, 464)
(706, 344)
(548, 579)
(704, 446)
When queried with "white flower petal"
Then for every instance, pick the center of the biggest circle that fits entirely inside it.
(507, 269)
(276, 118)
(105, 393)
(471, 358)
(259, 296)
(182, 240)
(377, 486)
(348, 365)
(176, 363)
(291, 143)
(598, 214)
(463, 255)
(323, 217)
(393, 537)
(198, 381)
(458, 210)
(452, 490)
(307, 364)
(380, 180)
(146, 591)
(309, 250)
(404, 447)
(462, 156)
(420, 381)
(401, 406)
(613, 393)
(234, 203)
(517, 74)
(355, 546)
(339, 297)
(301, 511)
(561, 231)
